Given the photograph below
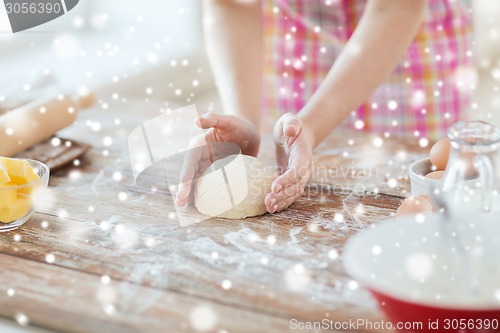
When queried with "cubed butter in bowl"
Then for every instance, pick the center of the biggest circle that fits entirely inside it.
(21, 183)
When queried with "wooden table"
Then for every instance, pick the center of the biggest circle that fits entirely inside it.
(122, 264)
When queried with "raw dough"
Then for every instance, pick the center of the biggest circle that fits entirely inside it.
(234, 187)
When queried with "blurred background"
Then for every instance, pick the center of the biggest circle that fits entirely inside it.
(153, 50)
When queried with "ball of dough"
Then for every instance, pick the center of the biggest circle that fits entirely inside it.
(234, 187)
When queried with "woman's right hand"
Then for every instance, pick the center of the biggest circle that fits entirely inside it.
(221, 128)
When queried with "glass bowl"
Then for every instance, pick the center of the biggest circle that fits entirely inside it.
(26, 197)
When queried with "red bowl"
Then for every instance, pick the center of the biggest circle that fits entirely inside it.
(382, 259)
(427, 318)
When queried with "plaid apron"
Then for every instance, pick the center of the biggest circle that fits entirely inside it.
(428, 91)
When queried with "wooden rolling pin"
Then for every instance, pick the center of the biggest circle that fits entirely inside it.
(37, 121)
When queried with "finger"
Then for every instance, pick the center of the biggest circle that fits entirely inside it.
(273, 201)
(215, 120)
(270, 201)
(288, 202)
(299, 169)
(290, 190)
(281, 158)
(276, 199)
(284, 119)
(182, 195)
(208, 120)
(279, 206)
(289, 177)
(286, 132)
(288, 125)
(301, 159)
(291, 126)
(190, 165)
(184, 189)
(195, 164)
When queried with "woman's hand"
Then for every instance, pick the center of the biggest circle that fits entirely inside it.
(221, 129)
(294, 146)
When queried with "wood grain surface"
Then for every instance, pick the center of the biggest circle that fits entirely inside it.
(123, 263)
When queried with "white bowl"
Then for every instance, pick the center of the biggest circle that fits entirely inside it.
(412, 266)
(420, 185)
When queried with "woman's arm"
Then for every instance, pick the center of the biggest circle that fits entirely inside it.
(233, 38)
(383, 34)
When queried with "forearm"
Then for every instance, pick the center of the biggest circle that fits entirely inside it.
(233, 38)
(383, 34)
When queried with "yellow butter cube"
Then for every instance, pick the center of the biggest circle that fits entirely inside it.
(15, 210)
(7, 194)
(20, 171)
(4, 174)
(27, 190)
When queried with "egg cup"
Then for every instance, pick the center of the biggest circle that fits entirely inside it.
(28, 196)
(421, 185)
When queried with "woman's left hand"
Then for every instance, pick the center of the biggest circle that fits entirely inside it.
(294, 146)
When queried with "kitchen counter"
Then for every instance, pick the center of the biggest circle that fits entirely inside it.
(122, 262)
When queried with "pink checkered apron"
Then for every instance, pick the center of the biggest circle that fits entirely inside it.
(427, 92)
